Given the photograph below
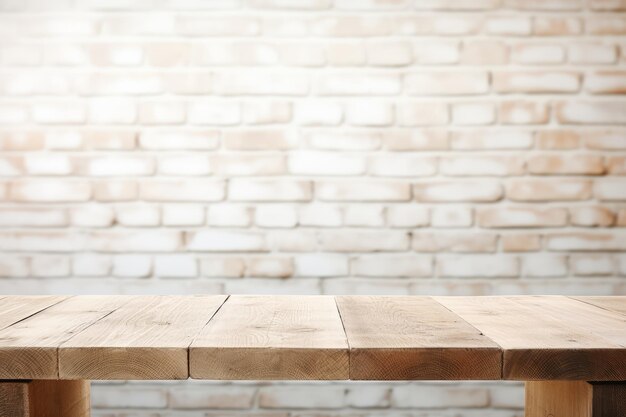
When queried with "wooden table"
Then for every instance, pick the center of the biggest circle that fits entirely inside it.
(570, 350)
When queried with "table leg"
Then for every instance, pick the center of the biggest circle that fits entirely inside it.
(44, 398)
(575, 399)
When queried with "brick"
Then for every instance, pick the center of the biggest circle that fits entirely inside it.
(132, 266)
(114, 84)
(272, 267)
(237, 83)
(217, 26)
(566, 165)
(280, 4)
(538, 54)
(592, 53)
(507, 217)
(110, 140)
(422, 114)
(162, 113)
(234, 54)
(273, 286)
(586, 242)
(521, 243)
(138, 215)
(362, 191)
(479, 166)
(558, 139)
(91, 265)
(235, 165)
(370, 113)
(392, 266)
(325, 163)
(222, 267)
(185, 164)
(33, 217)
(410, 396)
(182, 215)
(12, 113)
(616, 165)
(358, 84)
(355, 140)
(417, 139)
(14, 267)
(267, 112)
(491, 139)
(604, 5)
(269, 190)
(358, 241)
(346, 54)
(212, 397)
(508, 395)
(134, 241)
(477, 266)
(369, 396)
(115, 190)
(364, 216)
(318, 113)
(351, 26)
(606, 25)
(473, 114)
(402, 166)
(543, 5)
(524, 112)
(452, 217)
(49, 266)
(389, 53)
(112, 111)
(447, 192)
(41, 241)
(557, 26)
(189, 83)
(371, 286)
(175, 266)
(455, 242)
(610, 190)
(436, 53)
(224, 241)
(21, 140)
(121, 396)
(606, 82)
(66, 55)
(509, 26)
(545, 265)
(447, 83)
(48, 164)
(116, 54)
(484, 52)
(171, 140)
(115, 166)
(320, 215)
(592, 216)
(275, 216)
(457, 5)
(606, 140)
(545, 190)
(312, 396)
(536, 82)
(259, 139)
(407, 215)
(214, 113)
(293, 240)
(371, 5)
(20, 55)
(182, 190)
(229, 215)
(11, 167)
(50, 191)
(302, 54)
(32, 83)
(592, 265)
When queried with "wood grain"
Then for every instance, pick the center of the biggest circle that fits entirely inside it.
(16, 308)
(44, 398)
(13, 399)
(28, 349)
(539, 345)
(403, 338)
(575, 399)
(612, 303)
(147, 338)
(272, 337)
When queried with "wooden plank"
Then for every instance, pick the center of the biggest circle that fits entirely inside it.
(16, 308)
(575, 399)
(409, 338)
(28, 349)
(272, 337)
(44, 398)
(147, 338)
(612, 303)
(538, 346)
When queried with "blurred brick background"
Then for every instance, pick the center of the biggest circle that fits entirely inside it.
(312, 146)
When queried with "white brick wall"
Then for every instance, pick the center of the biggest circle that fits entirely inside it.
(312, 146)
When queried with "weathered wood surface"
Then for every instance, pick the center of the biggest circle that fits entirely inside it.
(313, 337)
(280, 337)
(400, 338)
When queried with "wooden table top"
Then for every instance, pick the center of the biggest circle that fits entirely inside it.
(313, 337)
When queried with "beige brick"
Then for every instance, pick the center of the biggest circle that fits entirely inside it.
(436, 52)
(225, 241)
(354, 140)
(138, 215)
(477, 266)
(447, 83)
(91, 265)
(545, 265)
(592, 265)
(325, 163)
(370, 113)
(448, 192)
(606, 82)
(116, 166)
(182, 215)
(11, 167)
(41, 241)
(422, 114)
(301, 5)
(455, 242)
(358, 84)
(358, 241)
(586, 242)
(439, 397)
(524, 112)
(364, 215)
(536, 82)
(521, 243)
(259, 139)
(112, 111)
(538, 54)
(302, 54)
(491, 139)
(595, 216)
(481, 166)
(50, 191)
(92, 215)
(115, 84)
(351, 26)
(610, 189)
(557, 26)
(392, 266)
(217, 26)
(266, 112)
(545, 5)
(311, 396)
(212, 397)
(132, 266)
(240, 82)
(214, 113)
(269, 190)
(473, 114)
(398, 165)
(318, 113)
(509, 26)
(407, 215)
(33, 217)
(234, 54)
(558, 139)
(548, 190)
(616, 165)
(566, 165)
(184, 165)
(115, 190)
(321, 265)
(458, 5)
(14, 266)
(116, 54)
(484, 52)
(162, 113)
(507, 217)
(189, 83)
(235, 165)
(606, 25)
(606, 140)
(592, 53)
(182, 190)
(362, 191)
(320, 215)
(222, 267)
(604, 5)
(21, 140)
(175, 266)
(121, 396)
(134, 241)
(452, 216)
(346, 54)
(273, 215)
(389, 53)
(49, 266)
(271, 267)
(110, 140)
(229, 215)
